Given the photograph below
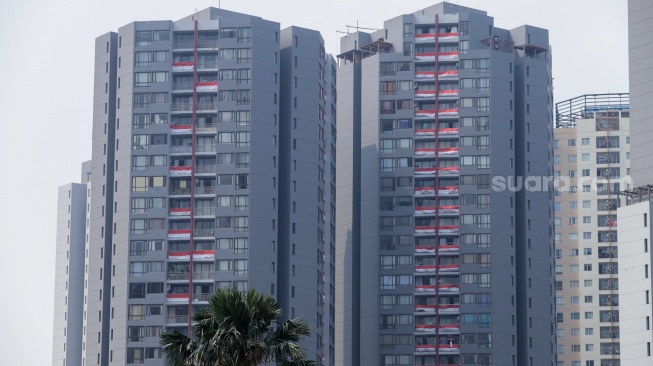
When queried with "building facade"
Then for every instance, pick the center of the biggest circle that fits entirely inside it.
(635, 282)
(212, 166)
(441, 114)
(592, 165)
(640, 52)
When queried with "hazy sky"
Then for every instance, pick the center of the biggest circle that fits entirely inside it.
(47, 67)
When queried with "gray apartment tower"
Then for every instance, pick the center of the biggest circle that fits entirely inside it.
(444, 258)
(213, 165)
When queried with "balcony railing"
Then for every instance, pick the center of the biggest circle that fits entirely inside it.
(182, 44)
(180, 107)
(206, 127)
(182, 85)
(204, 232)
(210, 106)
(205, 169)
(201, 65)
(205, 148)
(205, 190)
(180, 149)
(175, 319)
(203, 276)
(205, 211)
(178, 276)
(178, 191)
(202, 297)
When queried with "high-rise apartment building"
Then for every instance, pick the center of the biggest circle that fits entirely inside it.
(444, 257)
(213, 165)
(591, 165)
(640, 53)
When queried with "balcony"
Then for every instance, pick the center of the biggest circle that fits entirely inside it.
(424, 289)
(205, 190)
(205, 211)
(182, 85)
(422, 249)
(443, 268)
(446, 75)
(206, 233)
(449, 309)
(424, 94)
(207, 106)
(173, 191)
(449, 249)
(443, 152)
(444, 191)
(182, 107)
(197, 255)
(448, 94)
(180, 149)
(429, 309)
(178, 276)
(430, 113)
(425, 211)
(205, 169)
(449, 230)
(177, 319)
(180, 170)
(442, 132)
(209, 64)
(207, 127)
(449, 328)
(447, 171)
(449, 348)
(425, 38)
(442, 56)
(448, 37)
(448, 288)
(185, 45)
(424, 328)
(199, 276)
(202, 297)
(205, 148)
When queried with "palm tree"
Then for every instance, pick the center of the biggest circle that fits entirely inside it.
(238, 330)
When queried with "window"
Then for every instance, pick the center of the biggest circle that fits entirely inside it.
(143, 38)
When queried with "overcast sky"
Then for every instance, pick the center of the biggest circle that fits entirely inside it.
(46, 80)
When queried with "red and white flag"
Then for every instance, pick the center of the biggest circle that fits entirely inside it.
(424, 75)
(449, 229)
(448, 131)
(426, 37)
(181, 129)
(424, 288)
(448, 248)
(425, 210)
(203, 254)
(448, 56)
(425, 94)
(178, 297)
(426, 132)
(449, 328)
(185, 66)
(428, 113)
(425, 56)
(448, 93)
(424, 152)
(178, 234)
(424, 229)
(448, 151)
(448, 74)
(448, 37)
(425, 348)
(448, 268)
(424, 249)
(180, 211)
(448, 112)
(448, 171)
(449, 288)
(425, 171)
(180, 170)
(424, 269)
(179, 256)
(424, 328)
(206, 86)
(449, 209)
(447, 191)
(453, 308)
(424, 191)
(425, 308)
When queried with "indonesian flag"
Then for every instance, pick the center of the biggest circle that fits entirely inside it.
(449, 268)
(448, 309)
(180, 170)
(447, 37)
(425, 229)
(426, 37)
(448, 56)
(612, 222)
(448, 170)
(206, 86)
(425, 56)
(425, 171)
(425, 348)
(423, 328)
(424, 74)
(424, 249)
(449, 209)
(448, 93)
(179, 256)
(448, 151)
(203, 254)
(186, 66)
(425, 269)
(178, 234)
(449, 288)
(424, 191)
(425, 210)
(449, 348)
(178, 297)
(448, 131)
(428, 113)
(430, 132)
(449, 229)
(448, 112)
(448, 248)
(424, 288)
(425, 94)
(180, 211)
(449, 328)
(181, 129)
(447, 191)
(425, 308)
(425, 152)
(449, 74)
